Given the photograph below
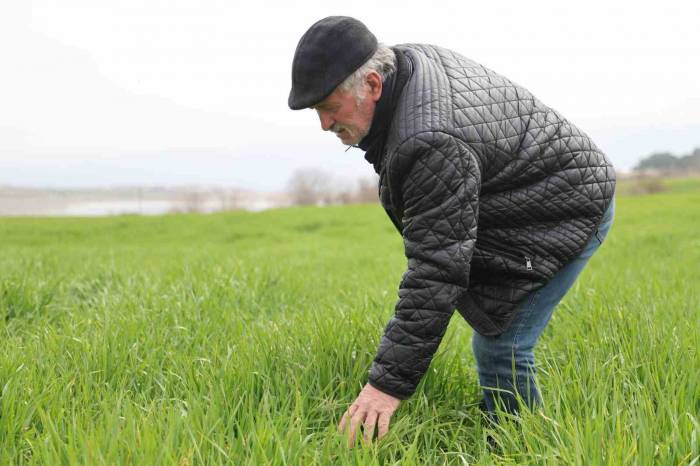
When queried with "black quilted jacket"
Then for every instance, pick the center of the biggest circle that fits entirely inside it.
(492, 191)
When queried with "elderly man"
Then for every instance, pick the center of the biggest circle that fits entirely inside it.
(500, 200)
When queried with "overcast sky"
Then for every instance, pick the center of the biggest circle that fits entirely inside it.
(167, 92)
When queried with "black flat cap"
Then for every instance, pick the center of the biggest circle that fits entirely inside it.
(330, 51)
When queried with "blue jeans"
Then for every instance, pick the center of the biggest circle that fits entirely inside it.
(507, 362)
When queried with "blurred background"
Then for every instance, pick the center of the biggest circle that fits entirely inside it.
(151, 107)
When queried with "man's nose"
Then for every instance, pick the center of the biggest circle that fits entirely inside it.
(326, 121)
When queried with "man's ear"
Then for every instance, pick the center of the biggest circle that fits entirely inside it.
(374, 82)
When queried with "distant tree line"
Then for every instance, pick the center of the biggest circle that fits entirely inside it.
(317, 187)
(668, 162)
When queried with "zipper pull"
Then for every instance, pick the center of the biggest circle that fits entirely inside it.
(528, 263)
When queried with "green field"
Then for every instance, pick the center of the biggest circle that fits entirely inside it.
(241, 338)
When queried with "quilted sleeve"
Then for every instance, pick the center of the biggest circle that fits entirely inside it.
(439, 198)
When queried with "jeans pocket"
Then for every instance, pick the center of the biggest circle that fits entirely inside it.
(602, 230)
(597, 236)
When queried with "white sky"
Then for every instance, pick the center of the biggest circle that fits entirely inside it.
(97, 92)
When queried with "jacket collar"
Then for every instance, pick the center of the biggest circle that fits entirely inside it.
(373, 143)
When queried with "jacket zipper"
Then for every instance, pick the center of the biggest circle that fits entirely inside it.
(389, 212)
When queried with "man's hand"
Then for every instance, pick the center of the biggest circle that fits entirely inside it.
(372, 407)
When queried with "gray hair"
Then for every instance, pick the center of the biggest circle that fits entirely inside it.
(383, 62)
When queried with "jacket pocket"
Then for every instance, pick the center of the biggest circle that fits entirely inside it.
(526, 259)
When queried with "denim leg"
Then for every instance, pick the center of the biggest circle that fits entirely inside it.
(506, 363)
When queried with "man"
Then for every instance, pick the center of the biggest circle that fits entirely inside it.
(500, 201)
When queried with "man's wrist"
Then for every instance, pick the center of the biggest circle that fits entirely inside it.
(387, 391)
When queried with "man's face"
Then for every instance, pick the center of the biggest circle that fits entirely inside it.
(348, 116)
